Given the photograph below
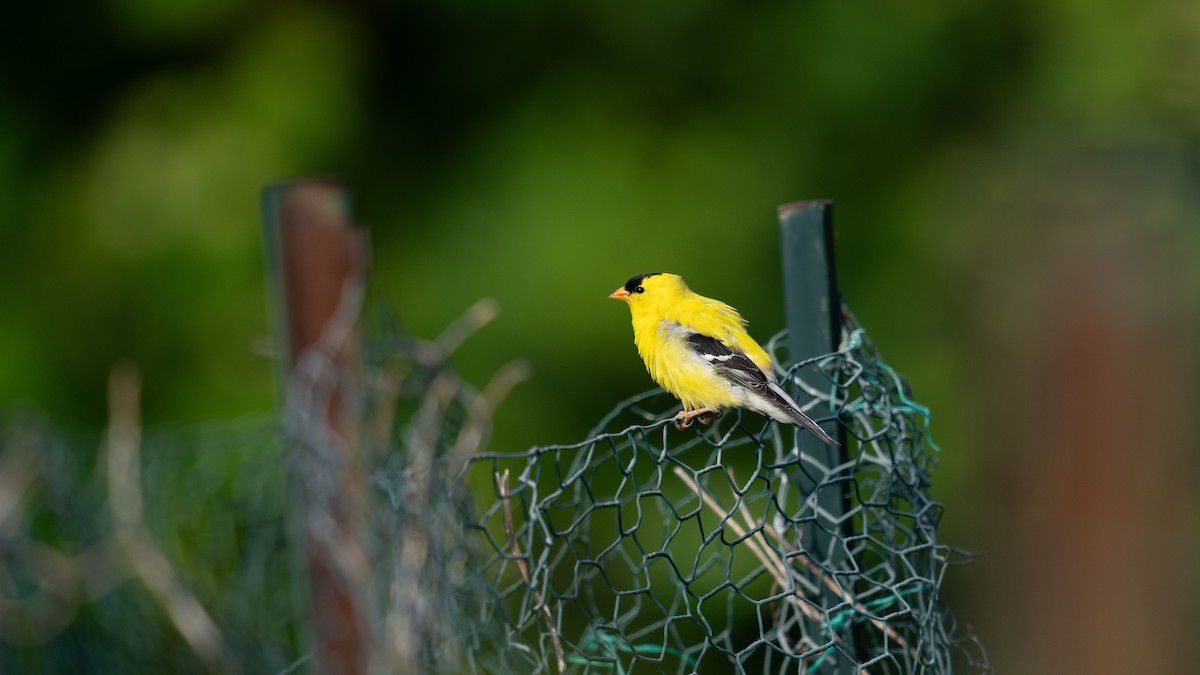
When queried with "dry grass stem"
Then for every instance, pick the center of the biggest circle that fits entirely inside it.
(477, 316)
(122, 450)
(17, 473)
(519, 559)
(825, 578)
(775, 565)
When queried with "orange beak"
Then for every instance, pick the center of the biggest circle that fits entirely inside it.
(620, 294)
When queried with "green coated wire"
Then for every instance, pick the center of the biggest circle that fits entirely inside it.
(843, 617)
(569, 500)
(909, 405)
(612, 645)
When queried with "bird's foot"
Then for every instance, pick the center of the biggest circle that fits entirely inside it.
(684, 419)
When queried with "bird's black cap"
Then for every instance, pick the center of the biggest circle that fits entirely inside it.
(634, 285)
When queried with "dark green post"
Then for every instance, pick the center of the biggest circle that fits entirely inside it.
(814, 325)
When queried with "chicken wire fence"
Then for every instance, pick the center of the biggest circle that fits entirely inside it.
(644, 549)
(640, 549)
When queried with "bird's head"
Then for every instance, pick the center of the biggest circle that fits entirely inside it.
(650, 289)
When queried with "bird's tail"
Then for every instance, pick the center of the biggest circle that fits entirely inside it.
(792, 412)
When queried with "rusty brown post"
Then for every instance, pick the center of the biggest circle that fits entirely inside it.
(316, 258)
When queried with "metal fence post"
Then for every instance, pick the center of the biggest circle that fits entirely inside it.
(814, 325)
(316, 259)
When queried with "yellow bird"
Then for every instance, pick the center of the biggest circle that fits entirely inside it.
(698, 350)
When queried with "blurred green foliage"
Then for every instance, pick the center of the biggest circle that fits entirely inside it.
(541, 154)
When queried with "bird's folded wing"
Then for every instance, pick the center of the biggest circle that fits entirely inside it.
(739, 370)
(729, 363)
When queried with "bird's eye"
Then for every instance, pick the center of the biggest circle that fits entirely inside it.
(639, 289)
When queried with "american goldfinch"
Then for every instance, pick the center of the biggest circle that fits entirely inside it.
(698, 350)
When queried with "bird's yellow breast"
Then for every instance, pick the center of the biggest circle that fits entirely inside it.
(678, 369)
(660, 331)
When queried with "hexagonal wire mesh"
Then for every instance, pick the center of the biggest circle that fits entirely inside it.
(641, 549)
(645, 549)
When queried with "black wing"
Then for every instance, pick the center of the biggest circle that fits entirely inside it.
(729, 364)
(740, 370)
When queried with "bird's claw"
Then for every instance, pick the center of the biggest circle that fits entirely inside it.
(685, 418)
